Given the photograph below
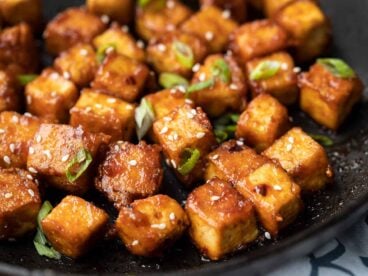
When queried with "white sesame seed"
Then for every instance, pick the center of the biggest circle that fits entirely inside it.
(170, 4)
(88, 109)
(31, 150)
(65, 158)
(31, 192)
(291, 140)
(133, 162)
(97, 105)
(29, 99)
(200, 135)
(47, 153)
(116, 148)
(8, 195)
(53, 94)
(267, 235)
(209, 36)
(128, 107)
(83, 52)
(125, 28)
(188, 101)
(161, 47)
(175, 136)
(2, 131)
(202, 77)
(277, 188)
(193, 111)
(135, 242)
(226, 14)
(27, 114)
(214, 198)
(66, 75)
(167, 119)
(190, 115)
(32, 170)
(109, 50)
(54, 76)
(30, 177)
(12, 148)
(160, 226)
(111, 100)
(172, 216)
(196, 67)
(181, 88)
(289, 147)
(173, 163)
(15, 119)
(140, 44)
(7, 159)
(37, 182)
(297, 70)
(284, 66)
(105, 18)
(164, 130)
(38, 138)
(215, 157)
(240, 143)
(233, 86)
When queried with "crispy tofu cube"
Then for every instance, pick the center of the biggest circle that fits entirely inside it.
(16, 134)
(213, 26)
(17, 11)
(121, 77)
(74, 225)
(228, 90)
(165, 52)
(122, 41)
(9, 92)
(264, 120)
(178, 142)
(308, 26)
(221, 220)
(50, 96)
(151, 225)
(283, 85)
(19, 205)
(65, 156)
(327, 98)
(158, 17)
(256, 39)
(118, 10)
(70, 27)
(236, 9)
(303, 159)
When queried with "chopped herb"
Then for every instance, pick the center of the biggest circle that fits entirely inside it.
(101, 51)
(337, 67)
(27, 78)
(221, 69)
(170, 80)
(144, 117)
(225, 127)
(200, 86)
(322, 139)
(184, 54)
(189, 161)
(265, 70)
(81, 160)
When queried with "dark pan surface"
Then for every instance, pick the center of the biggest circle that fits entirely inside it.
(326, 214)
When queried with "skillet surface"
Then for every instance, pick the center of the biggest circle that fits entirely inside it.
(327, 213)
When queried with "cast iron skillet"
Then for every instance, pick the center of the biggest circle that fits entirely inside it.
(327, 213)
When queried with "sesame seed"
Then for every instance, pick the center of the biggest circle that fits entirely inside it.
(233, 86)
(66, 75)
(215, 157)
(47, 153)
(188, 101)
(164, 130)
(175, 136)
(135, 242)
(160, 226)
(277, 188)
(173, 163)
(289, 147)
(128, 107)
(200, 135)
(161, 47)
(226, 14)
(267, 235)
(53, 94)
(88, 109)
(125, 28)
(170, 4)
(111, 100)
(140, 44)
(30, 177)
(27, 114)
(2, 131)
(83, 52)
(32, 170)
(133, 162)
(105, 18)
(110, 50)
(193, 111)
(240, 143)
(297, 70)
(7, 159)
(196, 67)
(31, 150)
(8, 195)
(172, 216)
(29, 99)
(31, 192)
(65, 158)
(215, 198)
(284, 66)
(181, 88)
(97, 105)
(291, 140)
(202, 77)
(167, 119)
(38, 138)
(209, 36)
(190, 115)
(12, 148)
(15, 119)
(54, 76)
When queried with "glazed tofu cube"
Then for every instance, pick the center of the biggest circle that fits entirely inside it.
(264, 120)
(16, 134)
(65, 156)
(176, 52)
(74, 225)
(122, 42)
(121, 77)
(78, 64)
(225, 90)
(117, 10)
(157, 17)
(256, 39)
(303, 159)
(50, 96)
(271, 7)
(281, 83)
(19, 204)
(96, 113)
(9, 92)
(151, 225)
(328, 98)
(221, 220)
(70, 27)
(308, 26)
(236, 9)
(17, 11)
(213, 26)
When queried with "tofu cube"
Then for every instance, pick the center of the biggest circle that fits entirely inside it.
(221, 220)
(303, 159)
(50, 96)
(65, 156)
(9, 92)
(271, 7)
(97, 112)
(121, 11)
(74, 225)
(121, 77)
(70, 27)
(236, 9)
(17, 11)
(19, 205)
(264, 120)
(151, 225)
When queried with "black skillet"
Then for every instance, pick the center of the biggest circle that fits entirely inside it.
(327, 213)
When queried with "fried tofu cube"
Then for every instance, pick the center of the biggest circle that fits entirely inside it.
(65, 156)
(181, 143)
(74, 225)
(283, 85)
(19, 205)
(122, 41)
(256, 39)
(308, 26)
(70, 27)
(211, 25)
(226, 90)
(117, 10)
(16, 134)
(17, 11)
(158, 17)
(151, 225)
(327, 98)
(236, 9)
(121, 77)
(221, 220)
(264, 120)
(165, 52)
(50, 96)
(9, 92)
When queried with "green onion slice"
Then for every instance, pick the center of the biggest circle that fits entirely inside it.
(225, 127)
(101, 51)
(337, 67)
(322, 139)
(221, 70)
(189, 161)
(265, 70)
(200, 86)
(27, 78)
(78, 165)
(144, 117)
(170, 80)
(184, 54)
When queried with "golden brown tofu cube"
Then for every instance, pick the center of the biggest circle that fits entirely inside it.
(327, 98)
(213, 26)
(19, 204)
(308, 26)
(121, 77)
(118, 10)
(158, 17)
(74, 225)
(256, 39)
(65, 156)
(122, 42)
(17, 11)
(151, 225)
(16, 134)
(221, 220)
(50, 96)
(79, 64)
(181, 143)
(281, 84)
(70, 27)
(9, 92)
(264, 120)
(303, 159)
(226, 90)
(236, 9)
(165, 52)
